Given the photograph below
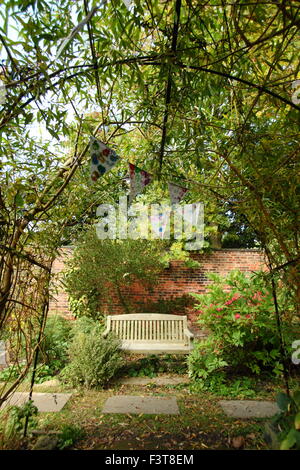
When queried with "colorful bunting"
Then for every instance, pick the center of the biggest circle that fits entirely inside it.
(138, 180)
(102, 158)
(160, 221)
(176, 193)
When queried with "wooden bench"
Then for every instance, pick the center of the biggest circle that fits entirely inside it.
(151, 333)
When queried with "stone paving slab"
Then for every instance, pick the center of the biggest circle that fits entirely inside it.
(45, 402)
(154, 380)
(137, 405)
(249, 408)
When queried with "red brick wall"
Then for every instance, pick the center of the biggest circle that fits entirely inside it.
(174, 281)
(58, 298)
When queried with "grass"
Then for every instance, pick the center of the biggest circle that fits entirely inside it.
(201, 424)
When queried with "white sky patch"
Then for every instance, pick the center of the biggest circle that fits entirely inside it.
(75, 31)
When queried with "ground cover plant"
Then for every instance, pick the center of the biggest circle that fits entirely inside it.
(173, 305)
(12, 424)
(153, 365)
(201, 424)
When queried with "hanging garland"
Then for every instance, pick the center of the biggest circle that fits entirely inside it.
(104, 159)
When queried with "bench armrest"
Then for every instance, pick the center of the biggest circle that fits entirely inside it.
(188, 333)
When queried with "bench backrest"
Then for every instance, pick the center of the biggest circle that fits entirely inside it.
(152, 327)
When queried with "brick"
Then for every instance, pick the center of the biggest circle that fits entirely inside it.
(174, 281)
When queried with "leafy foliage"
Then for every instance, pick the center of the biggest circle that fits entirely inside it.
(221, 384)
(94, 360)
(13, 421)
(69, 435)
(243, 327)
(283, 432)
(54, 347)
(9, 373)
(152, 365)
(100, 266)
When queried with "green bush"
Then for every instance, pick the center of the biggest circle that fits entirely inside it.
(243, 328)
(55, 344)
(94, 360)
(100, 268)
(10, 373)
(53, 352)
(43, 373)
(86, 325)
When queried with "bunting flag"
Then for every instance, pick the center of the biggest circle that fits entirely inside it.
(160, 221)
(102, 158)
(176, 193)
(138, 180)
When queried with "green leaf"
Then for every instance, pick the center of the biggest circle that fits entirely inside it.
(297, 420)
(19, 201)
(296, 398)
(283, 401)
(289, 441)
(28, 118)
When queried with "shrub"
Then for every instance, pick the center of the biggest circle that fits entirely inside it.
(98, 268)
(55, 344)
(86, 325)
(220, 384)
(242, 325)
(94, 360)
(10, 373)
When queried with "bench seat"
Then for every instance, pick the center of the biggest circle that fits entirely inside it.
(155, 348)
